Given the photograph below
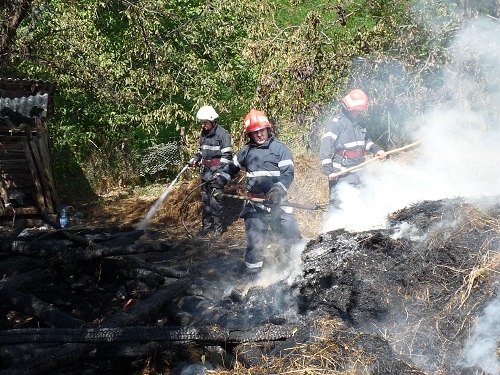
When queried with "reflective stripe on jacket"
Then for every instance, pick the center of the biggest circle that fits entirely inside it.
(265, 165)
(214, 145)
(343, 133)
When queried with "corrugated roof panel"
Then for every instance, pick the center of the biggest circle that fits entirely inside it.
(41, 91)
(26, 104)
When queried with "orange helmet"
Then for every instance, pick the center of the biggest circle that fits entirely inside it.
(356, 100)
(256, 120)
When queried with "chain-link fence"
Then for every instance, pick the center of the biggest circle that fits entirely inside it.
(164, 157)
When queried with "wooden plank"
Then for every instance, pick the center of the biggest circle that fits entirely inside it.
(26, 210)
(11, 155)
(10, 162)
(5, 138)
(43, 145)
(10, 146)
(17, 181)
(44, 178)
(14, 171)
(36, 180)
(18, 163)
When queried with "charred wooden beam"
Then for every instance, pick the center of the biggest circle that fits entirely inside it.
(211, 335)
(11, 292)
(20, 265)
(162, 270)
(68, 353)
(32, 305)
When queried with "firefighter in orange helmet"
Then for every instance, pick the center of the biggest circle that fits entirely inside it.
(269, 168)
(345, 143)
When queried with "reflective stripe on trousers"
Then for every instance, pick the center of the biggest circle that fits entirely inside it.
(256, 232)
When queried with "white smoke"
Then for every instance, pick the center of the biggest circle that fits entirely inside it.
(481, 348)
(458, 152)
(458, 156)
(195, 369)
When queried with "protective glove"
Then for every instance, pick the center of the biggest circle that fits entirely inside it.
(217, 187)
(217, 194)
(218, 182)
(275, 194)
(193, 162)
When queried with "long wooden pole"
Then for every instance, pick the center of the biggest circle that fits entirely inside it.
(263, 201)
(347, 170)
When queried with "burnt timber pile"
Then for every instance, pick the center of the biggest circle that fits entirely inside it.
(27, 187)
(401, 300)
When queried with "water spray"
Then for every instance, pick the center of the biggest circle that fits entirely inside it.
(143, 224)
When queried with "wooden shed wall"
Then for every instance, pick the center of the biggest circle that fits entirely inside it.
(26, 171)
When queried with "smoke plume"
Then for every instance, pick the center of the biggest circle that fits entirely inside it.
(481, 348)
(457, 157)
(458, 150)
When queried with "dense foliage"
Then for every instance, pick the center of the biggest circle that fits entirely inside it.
(135, 72)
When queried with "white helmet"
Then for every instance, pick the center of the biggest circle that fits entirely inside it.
(206, 112)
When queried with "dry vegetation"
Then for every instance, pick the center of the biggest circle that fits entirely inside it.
(129, 206)
(333, 344)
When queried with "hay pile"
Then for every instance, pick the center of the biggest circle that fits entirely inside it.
(310, 186)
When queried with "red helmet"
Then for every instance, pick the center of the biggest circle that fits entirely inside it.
(356, 100)
(256, 120)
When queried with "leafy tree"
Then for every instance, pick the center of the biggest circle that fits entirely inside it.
(13, 13)
(137, 70)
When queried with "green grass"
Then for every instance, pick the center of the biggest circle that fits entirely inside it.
(290, 14)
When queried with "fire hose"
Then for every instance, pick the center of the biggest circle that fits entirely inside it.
(184, 201)
(281, 203)
(347, 170)
(256, 200)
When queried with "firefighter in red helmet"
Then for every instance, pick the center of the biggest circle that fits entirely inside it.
(345, 143)
(269, 168)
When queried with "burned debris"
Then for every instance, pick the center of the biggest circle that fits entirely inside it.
(400, 300)
(420, 282)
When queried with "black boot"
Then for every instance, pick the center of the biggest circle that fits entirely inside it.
(206, 225)
(218, 229)
(251, 275)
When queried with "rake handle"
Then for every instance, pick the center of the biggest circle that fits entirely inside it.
(262, 200)
(375, 158)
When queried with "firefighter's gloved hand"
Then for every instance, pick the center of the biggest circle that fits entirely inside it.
(218, 182)
(193, 162)
(217, 187)
(275, 194)
(218, 194)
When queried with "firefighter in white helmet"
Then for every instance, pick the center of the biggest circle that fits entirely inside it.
(214, 152)
(269, 168)
(345, 143)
